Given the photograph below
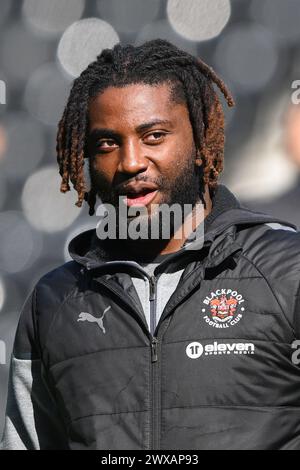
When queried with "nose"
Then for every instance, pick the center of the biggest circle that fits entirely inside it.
(132, 158)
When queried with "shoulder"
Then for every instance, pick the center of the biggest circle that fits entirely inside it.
(54, 289)
(41, 305)
(272, 253)
(58, 283)
(272, 246)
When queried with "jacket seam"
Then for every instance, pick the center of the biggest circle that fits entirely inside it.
(26, 357)
(238, 278)
(274, 219)
(14, 357)
(105, 414)
(96, 352)
(34, 321)
(272, 290)
(250, 407)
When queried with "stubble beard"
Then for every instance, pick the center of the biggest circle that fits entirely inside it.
(185, 190)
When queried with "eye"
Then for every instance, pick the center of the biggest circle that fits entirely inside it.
(156, 136)
(106, 144)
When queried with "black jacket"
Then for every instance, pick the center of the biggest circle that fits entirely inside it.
(217, 373)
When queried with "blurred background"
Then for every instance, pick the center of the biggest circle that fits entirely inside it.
(254, 45)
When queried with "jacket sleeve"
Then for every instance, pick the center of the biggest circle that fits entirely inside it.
(32, 420)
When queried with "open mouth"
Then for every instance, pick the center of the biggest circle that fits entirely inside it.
(142, 198)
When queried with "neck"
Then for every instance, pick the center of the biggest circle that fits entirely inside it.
(155, 247)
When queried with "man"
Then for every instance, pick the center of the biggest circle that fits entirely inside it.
(158, 343)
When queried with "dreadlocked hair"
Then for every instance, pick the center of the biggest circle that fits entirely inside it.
(191, 81)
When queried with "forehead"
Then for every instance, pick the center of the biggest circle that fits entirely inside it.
(135, 103)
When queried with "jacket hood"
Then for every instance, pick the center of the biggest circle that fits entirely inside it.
(227, 213)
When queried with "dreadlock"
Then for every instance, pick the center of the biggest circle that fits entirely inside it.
(154, 62)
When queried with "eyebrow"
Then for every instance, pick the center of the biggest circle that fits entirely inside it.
(110, 133)
(154, 122)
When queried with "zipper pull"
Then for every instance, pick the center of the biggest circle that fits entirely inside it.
(154, 349)
(152, 282)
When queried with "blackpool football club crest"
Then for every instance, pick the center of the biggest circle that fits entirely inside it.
(223, 308)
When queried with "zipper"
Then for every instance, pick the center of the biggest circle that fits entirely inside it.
(155, 367)
(155, 395)
(152, 299)
(155, 389)
(154, 344)
(155, 399)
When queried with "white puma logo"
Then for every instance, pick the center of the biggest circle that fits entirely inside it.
(85, 316)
